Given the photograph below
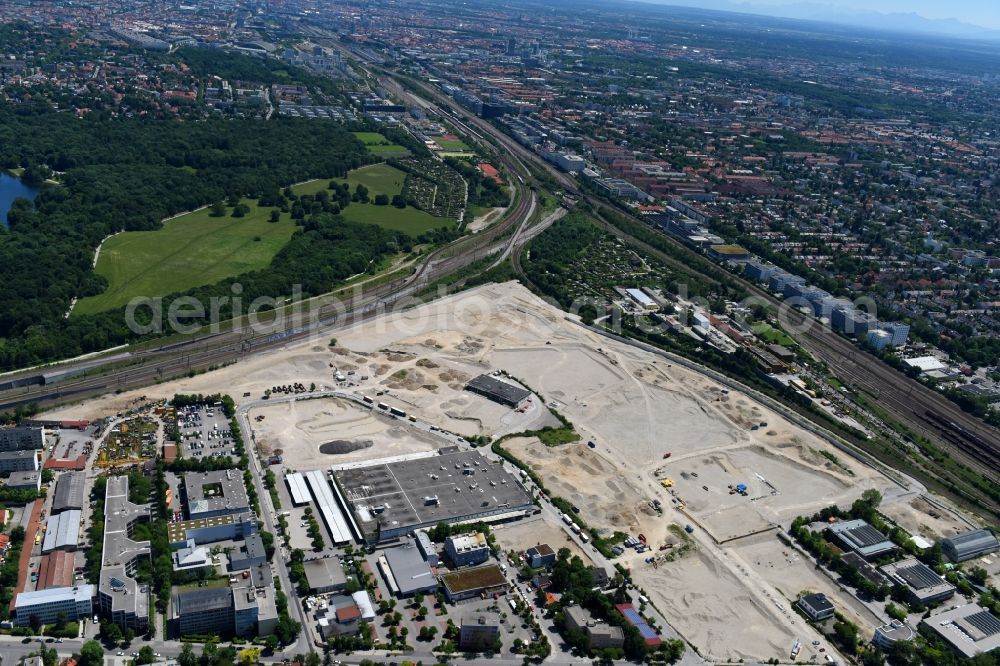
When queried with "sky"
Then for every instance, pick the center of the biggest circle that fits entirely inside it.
(984, 13)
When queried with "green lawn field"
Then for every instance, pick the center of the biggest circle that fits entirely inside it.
(376, 143)
(380, 179)
(191, 250)
(456, 145)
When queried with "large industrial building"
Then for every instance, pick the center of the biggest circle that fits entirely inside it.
(393, 499)
(22, 438)
(48, 605)
(922, 585)
(121, 597)
(56, 570)
(969, 629)
(969, 545)
(63, 531)
(406, 572)
(498, 391)
(219, 493)
(338, 523)
(325, 575)
(860, 537)
(69, 492)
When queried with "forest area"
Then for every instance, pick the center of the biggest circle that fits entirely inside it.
(128, 174)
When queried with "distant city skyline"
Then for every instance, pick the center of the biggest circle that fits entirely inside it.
(920, 14)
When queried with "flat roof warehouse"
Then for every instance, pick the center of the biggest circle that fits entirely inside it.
(393, 499)
(498, 391)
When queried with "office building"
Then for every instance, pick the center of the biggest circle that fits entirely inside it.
(540, 556)
(816, 607)
(121, 598)
(479, 632)
(18, 461)
(21, 438)
(219, 493)
(209, 530)
(24, 481)
(48, 605)
(599, 634)
(969, 545)
(248, 554)
(888, 635)
(467, 549)
(205, 611)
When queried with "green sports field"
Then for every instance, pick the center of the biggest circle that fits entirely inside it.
(380, 179)
(376, 143)
(191, 250)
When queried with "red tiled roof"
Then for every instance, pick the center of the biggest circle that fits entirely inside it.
(348, 613)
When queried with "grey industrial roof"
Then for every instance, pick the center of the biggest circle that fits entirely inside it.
(62, 531)
(232, 499)
(970, 544)
(23, 479)
(69, 491)
(862, 537)
(394, 493)
(496, 389)
(324, 572)
(970, 629)
(409, 569)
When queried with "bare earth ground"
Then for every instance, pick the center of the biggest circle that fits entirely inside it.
(300, 428)
(533, 531)
(731, 594)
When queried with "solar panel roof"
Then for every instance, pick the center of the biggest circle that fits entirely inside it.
(866, 535)
(919, 576)
(985, 622)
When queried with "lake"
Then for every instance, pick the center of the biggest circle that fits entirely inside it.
(11, 188)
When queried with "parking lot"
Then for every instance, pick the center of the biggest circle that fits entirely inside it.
(204, 432)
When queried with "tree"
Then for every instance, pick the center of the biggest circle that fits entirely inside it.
(35, 623)
(275, 215)
(240, 210)
(361, 193)
(91, 654)
(187, 656)
(50, 657)
(381, 199)
(218, 209)
(113, 633)
(399, 201)
(146, 655)
(977, 575)
(313, 659)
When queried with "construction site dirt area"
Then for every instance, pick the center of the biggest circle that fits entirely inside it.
(304, 430)
(660, 445)
(521, 535)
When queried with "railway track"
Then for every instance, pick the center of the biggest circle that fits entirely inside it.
(971, 441)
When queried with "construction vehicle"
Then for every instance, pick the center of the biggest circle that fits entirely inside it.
(667, 483)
